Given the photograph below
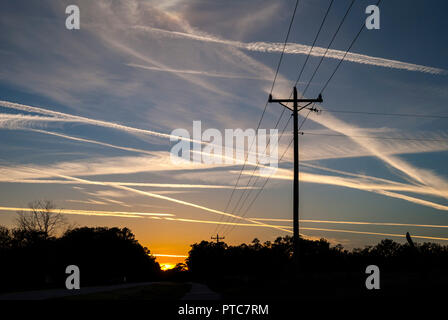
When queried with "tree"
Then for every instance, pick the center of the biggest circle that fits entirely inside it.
(107, 255)
(5, 237)
(41, 218)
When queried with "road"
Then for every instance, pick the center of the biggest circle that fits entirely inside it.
(59, 293)
(200, 291)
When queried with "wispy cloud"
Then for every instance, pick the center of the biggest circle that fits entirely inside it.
(375, 233)
(394, 224)
(199, 73)
(158, 196)
(296, 48)
(364, 184)
(427, 183)
(375, 147)
(65, 117)
(125, 183)
(122, 214)
(28, 122)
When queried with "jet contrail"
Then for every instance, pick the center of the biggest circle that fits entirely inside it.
(296, 48)
(313, 229)
(11, 121)
(60, 116)
(376, 233)
(220, 222)
(362, 185)
(357, 223)
(162, 197)
(197, 72)
(130, 184)
(123, 214)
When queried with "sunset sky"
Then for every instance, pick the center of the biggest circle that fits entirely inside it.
(86, 117)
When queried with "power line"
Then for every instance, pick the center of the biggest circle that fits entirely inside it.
(326, 83)
(374, 137)
(265, 107)
(256, 179)
(297, 81)
(281, 114)
(411, 115)
(345, 54)
(329, 44)
(267, 179)
(314, 42)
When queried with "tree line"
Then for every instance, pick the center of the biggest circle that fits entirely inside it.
(212, 259)
(35, 253)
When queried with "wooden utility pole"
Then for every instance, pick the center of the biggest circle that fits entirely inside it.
(295, 111)
(217, 238)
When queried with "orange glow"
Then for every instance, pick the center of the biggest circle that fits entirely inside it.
(169, 255)
(167, 266)
(169, 261)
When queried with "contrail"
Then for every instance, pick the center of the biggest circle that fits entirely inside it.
(376, 233)
(60, 116)
(11, 121)
(421, 176)
(220, 222)
(314, 229)
(196, 72)
(162, 197)
(357, 223)
(296, 48)
(363, 185)
(123, 214)
(222, 157)
(130, 184)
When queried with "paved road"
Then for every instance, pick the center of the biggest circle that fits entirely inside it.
(200, 291)
(58, 293)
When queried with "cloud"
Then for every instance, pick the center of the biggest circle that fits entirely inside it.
(355, 223)
(90, 74)
(121, 214)
(199, 73)
(28, 122)
(376, 148)
(427, 182)
(296, 48)
(65, 117)
(160, 161)
(170, 217)
(366, 184)
(158, 196)
(375, 233)
(124, 183)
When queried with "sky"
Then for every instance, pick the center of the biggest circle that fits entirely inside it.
(86, 118)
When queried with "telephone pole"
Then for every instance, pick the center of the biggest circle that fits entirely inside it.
(295, 113)
(217, 238)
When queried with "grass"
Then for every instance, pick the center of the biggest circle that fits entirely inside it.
(156, 291)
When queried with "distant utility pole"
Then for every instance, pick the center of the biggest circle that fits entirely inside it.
(295, 113)
(217, 238)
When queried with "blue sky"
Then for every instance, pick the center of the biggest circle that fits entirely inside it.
(152, 67)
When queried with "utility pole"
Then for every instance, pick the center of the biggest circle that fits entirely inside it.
(295, 113)
(217, 238)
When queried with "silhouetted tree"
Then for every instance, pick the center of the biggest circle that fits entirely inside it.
(108, 254)
(30, 259)
(5, 237)
(42, 218)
